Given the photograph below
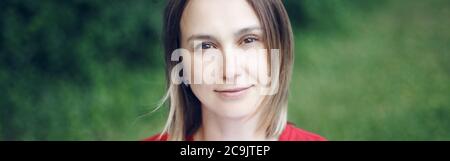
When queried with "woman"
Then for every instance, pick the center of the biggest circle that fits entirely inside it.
(237, 105)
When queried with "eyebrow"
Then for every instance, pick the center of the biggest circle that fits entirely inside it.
(194, 37)
(246, 30)
(237, 34)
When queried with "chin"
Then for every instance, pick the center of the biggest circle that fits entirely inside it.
(234, 110)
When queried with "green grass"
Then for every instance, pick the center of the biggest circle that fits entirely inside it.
(386, 77)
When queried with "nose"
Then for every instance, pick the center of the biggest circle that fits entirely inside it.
(232, 65)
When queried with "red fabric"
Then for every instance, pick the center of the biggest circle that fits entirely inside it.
(290, 133)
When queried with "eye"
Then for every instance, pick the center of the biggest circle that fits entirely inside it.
(249, 40)
(206, 45)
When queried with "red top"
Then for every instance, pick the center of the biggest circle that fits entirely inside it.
(290, 133)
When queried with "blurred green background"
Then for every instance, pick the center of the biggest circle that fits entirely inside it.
(92, 70)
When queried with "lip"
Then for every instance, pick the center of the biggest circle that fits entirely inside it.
(233, 92)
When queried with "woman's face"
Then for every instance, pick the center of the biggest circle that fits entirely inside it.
(231, 29)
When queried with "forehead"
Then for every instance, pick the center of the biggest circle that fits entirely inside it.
(217, 16)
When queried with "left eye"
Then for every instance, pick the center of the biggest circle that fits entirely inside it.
(249, 40)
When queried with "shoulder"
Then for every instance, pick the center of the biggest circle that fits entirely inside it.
(292, 133)
(157, 137)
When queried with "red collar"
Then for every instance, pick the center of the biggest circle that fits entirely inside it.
(290, 133)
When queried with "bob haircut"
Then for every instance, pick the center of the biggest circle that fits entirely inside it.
(184, 116)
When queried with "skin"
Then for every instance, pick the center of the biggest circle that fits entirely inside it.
(231, 28)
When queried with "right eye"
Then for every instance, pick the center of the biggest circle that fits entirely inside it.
(205, 45)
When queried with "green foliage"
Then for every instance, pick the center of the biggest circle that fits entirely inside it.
(374, 74)
(79, 69)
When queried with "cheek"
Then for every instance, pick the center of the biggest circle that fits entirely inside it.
(202, 92)
(191, 68)
(257, 64)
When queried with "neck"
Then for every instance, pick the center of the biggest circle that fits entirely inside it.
(217, 128)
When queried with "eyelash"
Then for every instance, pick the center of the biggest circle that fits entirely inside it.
(203, 44)
(246, 40)
(252, 38)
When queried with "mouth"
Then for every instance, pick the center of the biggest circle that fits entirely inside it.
(233, 92)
